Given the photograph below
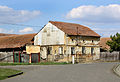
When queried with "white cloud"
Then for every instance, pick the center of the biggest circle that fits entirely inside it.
(97, 14)
(10, 31)
(16, 16)
(1, 30)
(28, 29)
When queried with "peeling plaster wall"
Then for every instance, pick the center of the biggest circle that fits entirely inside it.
(49, 35)
(32, 49)
(81, 40)
(8, 55)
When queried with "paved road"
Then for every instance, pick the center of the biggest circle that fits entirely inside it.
(97, 72)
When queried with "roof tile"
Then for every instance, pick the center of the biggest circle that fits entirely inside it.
(74, 29)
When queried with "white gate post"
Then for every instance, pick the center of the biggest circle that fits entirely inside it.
(73, 59)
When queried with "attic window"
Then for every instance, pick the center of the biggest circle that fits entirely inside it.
(53, 29)
(44, 30)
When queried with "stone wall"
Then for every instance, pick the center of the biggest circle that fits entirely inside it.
(6, 56)
(65, 54)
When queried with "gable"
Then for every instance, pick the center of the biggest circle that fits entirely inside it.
(49, 35)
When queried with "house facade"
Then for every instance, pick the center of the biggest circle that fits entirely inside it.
(60, 40)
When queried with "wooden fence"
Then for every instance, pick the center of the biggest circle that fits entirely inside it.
(107, 56)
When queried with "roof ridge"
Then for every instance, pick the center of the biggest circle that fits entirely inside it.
(68, 23)
(70, 28)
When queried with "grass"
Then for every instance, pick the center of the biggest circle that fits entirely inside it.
(41, 63)
(4, 73)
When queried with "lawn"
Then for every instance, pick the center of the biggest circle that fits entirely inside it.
(41, 63)
(4, 73)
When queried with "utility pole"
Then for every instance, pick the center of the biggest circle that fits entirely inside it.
(77, 37)
(73, 55)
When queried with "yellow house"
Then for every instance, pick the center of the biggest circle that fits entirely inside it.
(59, 40)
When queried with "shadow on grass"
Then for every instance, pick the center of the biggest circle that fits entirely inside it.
(5, 73)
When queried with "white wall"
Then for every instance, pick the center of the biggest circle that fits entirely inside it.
(49, 35)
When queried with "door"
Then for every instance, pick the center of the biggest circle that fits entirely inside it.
(16, 57)
(34, 58)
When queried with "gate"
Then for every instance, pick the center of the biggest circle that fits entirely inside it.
(17, 57)
(34, 58)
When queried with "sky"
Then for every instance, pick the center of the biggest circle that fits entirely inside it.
(29, 16)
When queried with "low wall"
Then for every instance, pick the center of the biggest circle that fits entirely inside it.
(107, 56)
(6, 56)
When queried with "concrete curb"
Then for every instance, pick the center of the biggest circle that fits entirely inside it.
(116, 70)
(15, 75)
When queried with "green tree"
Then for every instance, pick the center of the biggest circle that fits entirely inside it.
(114, 43)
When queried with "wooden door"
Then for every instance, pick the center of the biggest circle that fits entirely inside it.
(34, 58)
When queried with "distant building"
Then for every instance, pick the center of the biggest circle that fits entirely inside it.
(60, 40)
(103, 45)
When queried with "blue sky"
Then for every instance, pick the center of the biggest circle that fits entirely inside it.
(100, 15)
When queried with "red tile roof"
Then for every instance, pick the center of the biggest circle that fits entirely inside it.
(74, 29)
(103, 44)
(2, 34)
(15, 41)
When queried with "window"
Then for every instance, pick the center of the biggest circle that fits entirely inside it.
(92, 51)
(72, 50)
(72, 40)
(83, 40)
(92, 41)
(49, 51)
(55, 51)
(65, 52)
(48, 31)
(83, 50)
(60, 50)
(44, 30)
